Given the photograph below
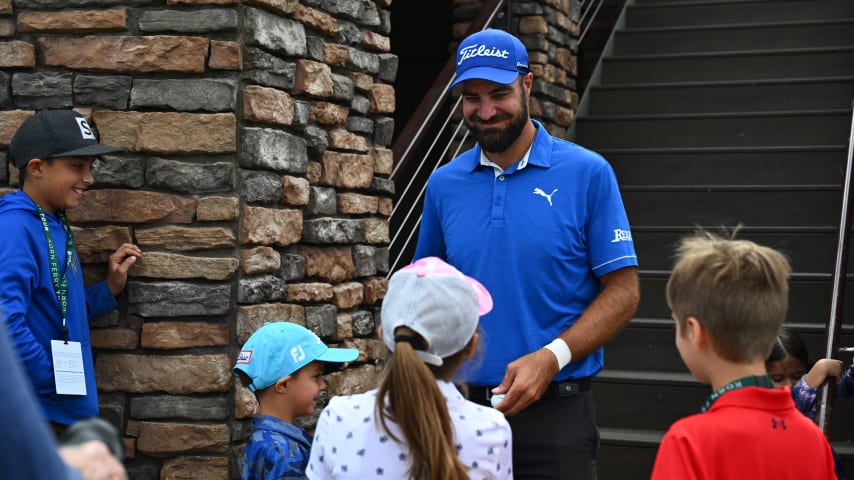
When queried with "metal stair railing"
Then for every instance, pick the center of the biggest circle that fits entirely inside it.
(837, 297)
(589, 9)
(412, 138)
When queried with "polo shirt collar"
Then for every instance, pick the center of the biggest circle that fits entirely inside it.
(273, 424)
(538, 154)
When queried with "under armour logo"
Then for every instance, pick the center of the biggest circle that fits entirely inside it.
(548, 196)
(621, 236)
(782, 423)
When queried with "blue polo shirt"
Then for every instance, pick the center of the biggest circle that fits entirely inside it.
(537, 238)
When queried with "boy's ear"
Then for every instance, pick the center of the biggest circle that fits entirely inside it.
(34, 167)
(696, 333)
(281, 386)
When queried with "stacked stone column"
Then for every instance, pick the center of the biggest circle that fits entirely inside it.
(256, 183)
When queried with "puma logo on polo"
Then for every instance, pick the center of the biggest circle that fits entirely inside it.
(548, 196)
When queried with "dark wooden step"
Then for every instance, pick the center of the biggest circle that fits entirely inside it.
(752, 207)
(648, 345)
(809, 300)
(713, 97)
(808, 249)
(645, 345)
(667, 397)
(796, 128)
(715, 13)
(716, 166)
(722, 3)
(727, 38)
(626, 454)
(757, 65)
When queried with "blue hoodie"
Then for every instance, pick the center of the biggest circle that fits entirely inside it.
(32, 311)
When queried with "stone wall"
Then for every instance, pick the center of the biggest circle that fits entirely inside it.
(256, 184)
(549, 29)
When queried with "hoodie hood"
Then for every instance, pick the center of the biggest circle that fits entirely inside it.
(17, 200)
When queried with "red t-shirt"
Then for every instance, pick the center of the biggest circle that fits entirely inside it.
(751, 433)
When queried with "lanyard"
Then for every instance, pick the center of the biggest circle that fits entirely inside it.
(60, 284)
(752, 381)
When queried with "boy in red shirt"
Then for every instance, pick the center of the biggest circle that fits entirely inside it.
(729, 300)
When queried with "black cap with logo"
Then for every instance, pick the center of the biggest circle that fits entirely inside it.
(53, 134)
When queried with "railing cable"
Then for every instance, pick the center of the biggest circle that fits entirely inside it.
(837, 297)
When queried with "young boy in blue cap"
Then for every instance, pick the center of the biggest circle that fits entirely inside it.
(42, 293)
(283, 364)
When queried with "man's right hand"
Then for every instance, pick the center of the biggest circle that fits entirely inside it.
(525, 381)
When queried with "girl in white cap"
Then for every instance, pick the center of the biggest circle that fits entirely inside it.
(417, 424)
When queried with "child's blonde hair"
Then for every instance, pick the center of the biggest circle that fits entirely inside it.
(738, 291)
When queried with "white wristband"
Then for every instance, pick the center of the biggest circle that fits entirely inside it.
(561, 351)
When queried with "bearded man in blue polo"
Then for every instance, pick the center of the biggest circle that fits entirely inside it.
(540, 222)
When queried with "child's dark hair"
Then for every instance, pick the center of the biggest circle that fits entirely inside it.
(788, 342)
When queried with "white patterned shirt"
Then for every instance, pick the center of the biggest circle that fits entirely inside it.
(349, 443)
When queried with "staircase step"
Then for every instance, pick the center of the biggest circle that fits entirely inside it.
(812, 165)
(630, 437)
(809, 300)
(808, 249)
(721, 38)
(668, 396)
(712, 13)
(626, 454)
(719, 97)
(648, 345)
(728, 208)
(752, 65)
(722, 3)
(645, 345)
(715, 130)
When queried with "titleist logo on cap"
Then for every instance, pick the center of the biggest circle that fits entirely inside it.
(481, 51)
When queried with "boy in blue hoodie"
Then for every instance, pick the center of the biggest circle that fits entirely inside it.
(41, 281)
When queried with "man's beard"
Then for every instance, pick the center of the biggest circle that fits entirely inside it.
(498, 140)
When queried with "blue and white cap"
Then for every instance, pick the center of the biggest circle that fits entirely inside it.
(279, 349)
(492, 55)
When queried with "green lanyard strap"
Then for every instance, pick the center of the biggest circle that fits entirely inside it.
(751, 381)
(60, 283)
